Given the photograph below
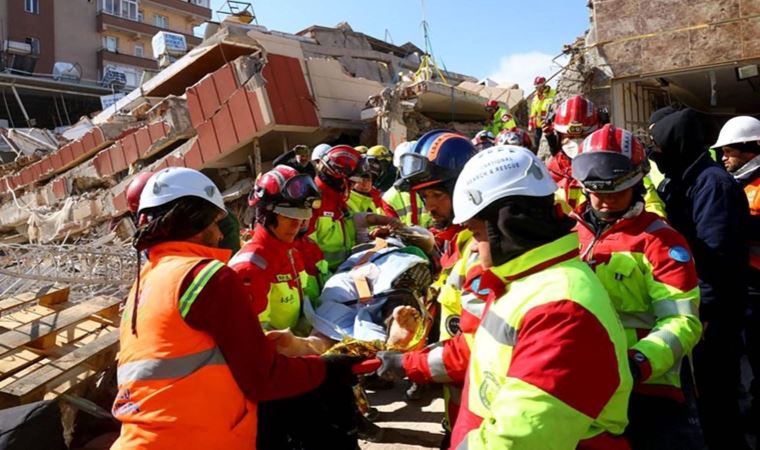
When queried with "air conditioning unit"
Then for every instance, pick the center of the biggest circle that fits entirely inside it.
(166, 43)
(17, 48)
(67, 71)
(114, 78)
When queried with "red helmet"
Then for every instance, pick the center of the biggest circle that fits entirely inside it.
(492, 104)
(135, 188)
(610, 160)
(284, 187)
(539, 80)
(576, 117)
(515, 136)
(341, 161)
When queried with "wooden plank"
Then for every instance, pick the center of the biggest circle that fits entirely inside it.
(35, 332)
(46, 296)
(94, 356)
(24, 316)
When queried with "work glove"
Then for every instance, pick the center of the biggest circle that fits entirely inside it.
(338, 369)
(392, 365)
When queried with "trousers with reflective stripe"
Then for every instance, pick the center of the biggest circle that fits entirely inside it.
(175, 389)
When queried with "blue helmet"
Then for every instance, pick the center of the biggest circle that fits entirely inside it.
(437, 157)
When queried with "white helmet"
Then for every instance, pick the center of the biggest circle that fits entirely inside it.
(176, 182)
(737, 130)
(496, 173)
(401, 149)
(319, 151)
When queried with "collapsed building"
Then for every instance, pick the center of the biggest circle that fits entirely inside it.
(641, 55)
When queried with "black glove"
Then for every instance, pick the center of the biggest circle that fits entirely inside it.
(392, 366)
(338, 369)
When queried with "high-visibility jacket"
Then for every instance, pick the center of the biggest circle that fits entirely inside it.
(274, 271)
(361, 203)
(548, 367)
(331, 228)
(502, 120)
(648, 272)
(175, 388)
(570, 196)
(401, 202)
(315, 265)
(539, 108)
(749, 177)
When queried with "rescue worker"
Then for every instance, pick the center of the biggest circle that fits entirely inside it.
(297, 158)
(399, 201)
(380, 161)
(362, 149)
(706, 205)
(516, 136)
(269, 265)
(364, 196)
(548, 367)
(134, 190)
(648, 272)
(330, 226)
(193, 360)
(739, 141)
(432, 168)
(317, 154)
(499, 118)
(483, 140)
(574, 120)
(539, 107)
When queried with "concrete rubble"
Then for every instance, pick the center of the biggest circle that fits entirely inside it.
(229, 106)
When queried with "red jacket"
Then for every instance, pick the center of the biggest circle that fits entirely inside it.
(333, 203)
(560, 168)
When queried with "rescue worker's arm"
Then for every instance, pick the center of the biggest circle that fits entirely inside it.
(563, 372)
(442, 362)
(652, 201)
(224, 310)
(256, 284)
(673, 287)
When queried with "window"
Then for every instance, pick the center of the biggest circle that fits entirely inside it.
(32, 6)
(35, 43)
(139, 50)
(111, 44)
(122, 8)
(161, 21)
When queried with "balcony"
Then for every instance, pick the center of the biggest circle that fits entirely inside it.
(104, 56)
(184, 6)
(107, 21)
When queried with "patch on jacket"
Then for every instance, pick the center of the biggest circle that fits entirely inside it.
(679, 254)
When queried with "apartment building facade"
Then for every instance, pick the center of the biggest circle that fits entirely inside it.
(99, 35)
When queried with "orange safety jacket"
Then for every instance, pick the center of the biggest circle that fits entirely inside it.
(175, 388)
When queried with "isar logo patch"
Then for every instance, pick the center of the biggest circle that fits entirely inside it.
(452, 325)
(679, 254)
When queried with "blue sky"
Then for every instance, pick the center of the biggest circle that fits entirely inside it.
(508, 40)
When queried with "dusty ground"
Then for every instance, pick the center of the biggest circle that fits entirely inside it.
(407, 425)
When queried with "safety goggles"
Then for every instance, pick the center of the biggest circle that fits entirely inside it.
(575, 129)
(414, 166)
(301, 190)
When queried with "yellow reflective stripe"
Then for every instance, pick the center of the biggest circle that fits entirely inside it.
(163, 369)
(192, 292)
(637, 320)
(437, 367)
(671, 340)
(665, 308)
(499, 329)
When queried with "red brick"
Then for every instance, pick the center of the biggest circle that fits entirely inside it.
(46, 165)
(118, 160)
(59, 189)
(77, 149)
(67, 154)
(255, 105)
(36, 171)
(143, 140)
(17, 182)
(129, 145)
(225, 130)
(225, 82)
(194, 106)
(98, 137)
(56, 160)
(26, 176)
(173, 161)
(157, 130)
(208, 97)
(193, 158)
(120, 203)
(103, 164)
(89, 141)
(241, 115)
(208, 143)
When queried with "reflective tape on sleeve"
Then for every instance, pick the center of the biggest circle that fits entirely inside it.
(437, 366)
(671, 340)
(499, 329)
(637, 320)
(195, 288)
(664, 308)
(163, 369)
